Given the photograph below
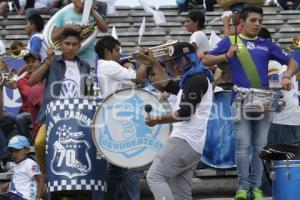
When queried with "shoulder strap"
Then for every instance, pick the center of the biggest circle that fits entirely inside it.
(247, 63)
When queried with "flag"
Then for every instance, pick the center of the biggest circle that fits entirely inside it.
(214, 39)
(86, 11)
(158, 16)
(142, 30)
(111, 10)
(114, 33)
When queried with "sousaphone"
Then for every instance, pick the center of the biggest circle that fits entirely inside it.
(88, 33)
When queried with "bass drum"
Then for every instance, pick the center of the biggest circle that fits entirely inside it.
(119, 130)
(50, 25)
(219, 148)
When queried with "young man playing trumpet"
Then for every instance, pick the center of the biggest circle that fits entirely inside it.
(113, 76)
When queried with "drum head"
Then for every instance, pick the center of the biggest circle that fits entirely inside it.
(119, 130)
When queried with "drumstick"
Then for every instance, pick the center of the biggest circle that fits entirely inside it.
(235, 22)
(148, 109)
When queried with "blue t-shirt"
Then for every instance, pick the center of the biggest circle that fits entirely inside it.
(261, 51)
(72, 17)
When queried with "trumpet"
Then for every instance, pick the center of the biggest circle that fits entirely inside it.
(16, 50)
(158, 52)
(6, 74)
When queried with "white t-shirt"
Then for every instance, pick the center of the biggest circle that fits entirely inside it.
(194, 130)
(42, 3)
(23, 182)
(71, 83)
(290, 115)
(112, 76)
(200, 39)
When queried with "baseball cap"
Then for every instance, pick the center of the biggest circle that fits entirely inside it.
(237, 7)
(33, 55)
(180, 49)
(18, 142)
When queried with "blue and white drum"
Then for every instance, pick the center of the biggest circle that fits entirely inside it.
(219, 145)
(119, 130)
(285, 177)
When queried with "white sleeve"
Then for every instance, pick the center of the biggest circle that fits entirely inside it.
(34, 169)
(200, 39)
(120, 73)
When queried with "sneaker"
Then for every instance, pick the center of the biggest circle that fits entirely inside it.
(257, 194)
(241, 195)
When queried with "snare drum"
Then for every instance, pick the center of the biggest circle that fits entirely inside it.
(259, 100)
(119, 130)
(285, 177)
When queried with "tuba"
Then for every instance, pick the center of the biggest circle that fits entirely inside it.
(87, 33)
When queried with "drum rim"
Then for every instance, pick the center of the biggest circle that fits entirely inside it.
(98, 110)
(285, 163)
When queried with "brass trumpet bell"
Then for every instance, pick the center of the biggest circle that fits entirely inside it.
(160, 51)
(16, 50)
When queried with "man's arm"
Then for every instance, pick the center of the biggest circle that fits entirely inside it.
(101, 24)
(291, 71)
(38, 75)
(210, 60)
(40, 185)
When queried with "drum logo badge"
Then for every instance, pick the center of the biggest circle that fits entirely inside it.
(71, 156)
(128, 134)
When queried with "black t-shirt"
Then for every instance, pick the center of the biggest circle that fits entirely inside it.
(193, 91)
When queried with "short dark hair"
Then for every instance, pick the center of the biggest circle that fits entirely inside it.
(107, 42)
(197, 15)
(251, 9)
(70, 32)
(264, 33)
(38, 21)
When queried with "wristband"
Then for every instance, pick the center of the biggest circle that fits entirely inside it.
(286, 76)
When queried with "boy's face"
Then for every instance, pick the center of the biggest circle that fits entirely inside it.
(252, 25)
(18, 154)
(114, 55)
(29, 28)
(32, 64)
(70, 46)
(190, 25)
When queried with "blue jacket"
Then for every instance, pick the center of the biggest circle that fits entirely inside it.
(55, 74)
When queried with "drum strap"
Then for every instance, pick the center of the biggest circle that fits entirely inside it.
(247, 63)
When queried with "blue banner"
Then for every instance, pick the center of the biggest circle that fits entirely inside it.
(72, 161)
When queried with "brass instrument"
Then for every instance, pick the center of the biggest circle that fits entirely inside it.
(158, 52)
(6, 74)
(17, 50)
(295, 44)
(85, 32)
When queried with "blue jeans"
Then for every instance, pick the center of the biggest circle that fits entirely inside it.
(23, 121)
(251, 136)
(10, 196)
(122, 182)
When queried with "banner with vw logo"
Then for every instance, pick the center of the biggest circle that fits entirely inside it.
(72, 161)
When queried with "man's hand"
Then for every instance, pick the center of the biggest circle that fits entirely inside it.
(50, 55)
(286, 83)
(232, 51)
(72, 26)
(151, 121)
